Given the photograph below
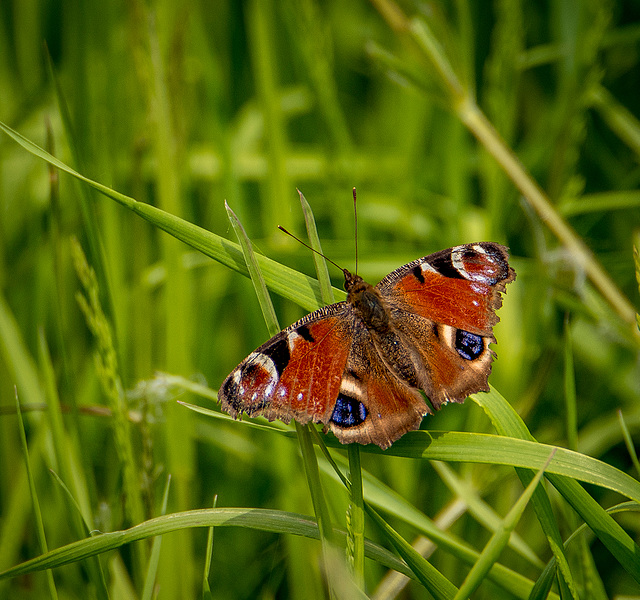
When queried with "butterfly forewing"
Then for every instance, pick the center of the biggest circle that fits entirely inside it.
(459, 287)
(296, 374)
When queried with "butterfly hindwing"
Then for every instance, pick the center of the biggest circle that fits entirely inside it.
(373, 405)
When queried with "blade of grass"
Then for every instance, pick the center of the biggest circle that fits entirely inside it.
(434, 581)
(42, 538)
(65, 451)
(628, 440)
(87, 206)
(154, 556)
(355, 523)
(499, 539)
(255, 274)
(608, 531)
(302, 289)
(570, 389)
(208, 557)
(80, 516)
(322, 272)
(273, 521)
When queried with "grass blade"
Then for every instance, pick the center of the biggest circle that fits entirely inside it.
(154, 556)
(500, 539)
(42, 538)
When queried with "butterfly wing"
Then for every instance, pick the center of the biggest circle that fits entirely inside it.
(357, 366)
(297, 373)
(444, 307)
(374, 405)
(325, 368)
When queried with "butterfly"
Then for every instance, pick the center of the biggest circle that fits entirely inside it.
(357, 366)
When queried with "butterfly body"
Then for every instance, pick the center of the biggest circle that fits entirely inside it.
(357, 366)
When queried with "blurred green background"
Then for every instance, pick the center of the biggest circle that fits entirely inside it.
(186, 105)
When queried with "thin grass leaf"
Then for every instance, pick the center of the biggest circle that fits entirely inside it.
(286, 282)
(154, 556)
(73, 504)
(499, 539)
(608, 531)
(628, 440)
(255, 274)
(322, 272)
(87, 206)
(355, 523)
(621, 121)
(42, 538)
(273, 521)
(436, 583)
(482, 512)
(604, 202)
(570, 389)
(16, 356)
(208, 557)
(65, 450)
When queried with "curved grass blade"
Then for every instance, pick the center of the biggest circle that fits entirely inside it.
(206, 587)
(608, 531)
(300, 288)
(272, 521)
(326, 291)
(499, 539)
(264, 300)
(434, 581)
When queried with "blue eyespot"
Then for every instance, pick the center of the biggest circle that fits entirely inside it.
(348, 412)
(469, 345)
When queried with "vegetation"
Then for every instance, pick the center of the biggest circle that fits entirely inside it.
(123, 303)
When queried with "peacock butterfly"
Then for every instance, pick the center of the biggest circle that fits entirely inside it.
(357, 366)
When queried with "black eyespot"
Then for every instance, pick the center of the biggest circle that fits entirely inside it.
(348, 412)
(469, 345)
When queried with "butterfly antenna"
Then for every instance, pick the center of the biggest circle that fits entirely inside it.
(355, 220)
(310, 248)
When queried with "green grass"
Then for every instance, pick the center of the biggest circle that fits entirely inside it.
(124, 298)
